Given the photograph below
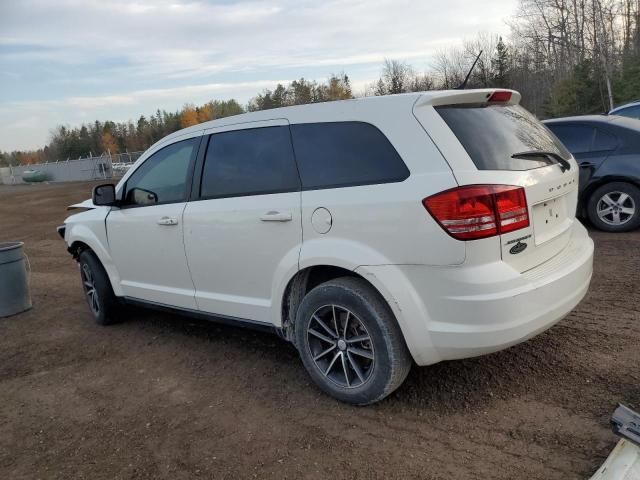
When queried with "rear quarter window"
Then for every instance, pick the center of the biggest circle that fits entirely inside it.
(340, 154)
(491, 134)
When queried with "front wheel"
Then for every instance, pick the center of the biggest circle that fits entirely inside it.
(97, 289)
(615, 207)
(350, 342)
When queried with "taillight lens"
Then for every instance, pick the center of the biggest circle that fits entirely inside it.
(500, 96)
(479, 211)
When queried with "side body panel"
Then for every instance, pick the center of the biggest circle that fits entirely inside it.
(235, 257)
(383, 223)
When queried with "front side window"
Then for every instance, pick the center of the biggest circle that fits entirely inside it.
(255, 161)
(162, 178)
(340, 154)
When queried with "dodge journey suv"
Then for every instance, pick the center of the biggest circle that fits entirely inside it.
(370, 233)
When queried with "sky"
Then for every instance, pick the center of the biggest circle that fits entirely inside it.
(65, 62)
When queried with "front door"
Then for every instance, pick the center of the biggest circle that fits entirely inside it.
(145, 235)
(244, 231)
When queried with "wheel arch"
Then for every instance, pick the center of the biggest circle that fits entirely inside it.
(593, 186)
(302, 282)
(81, 238)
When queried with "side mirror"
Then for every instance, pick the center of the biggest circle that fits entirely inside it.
(104, 195)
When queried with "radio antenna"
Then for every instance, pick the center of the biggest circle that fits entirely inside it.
(463, 85)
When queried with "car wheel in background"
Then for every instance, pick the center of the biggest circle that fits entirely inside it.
(350, 342)
(97, 289)
(615, 207)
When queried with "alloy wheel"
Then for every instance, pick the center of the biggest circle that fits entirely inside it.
(340, 346)
(90, 289)
(616, 208)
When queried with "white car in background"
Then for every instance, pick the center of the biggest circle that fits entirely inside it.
(371, 233)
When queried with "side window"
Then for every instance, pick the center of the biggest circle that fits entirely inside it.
(604, 141)
(631, 112)
(249, 162)
(339, 154)
(577, 139)
(162, 178)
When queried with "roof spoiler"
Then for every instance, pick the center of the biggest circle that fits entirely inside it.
(478, 96)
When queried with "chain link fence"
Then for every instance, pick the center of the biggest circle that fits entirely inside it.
(105, 166)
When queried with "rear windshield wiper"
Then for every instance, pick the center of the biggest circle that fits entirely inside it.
(552, 156)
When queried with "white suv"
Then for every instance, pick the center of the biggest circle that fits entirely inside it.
(371, 233)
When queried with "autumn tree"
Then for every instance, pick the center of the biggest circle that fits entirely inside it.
(188, 116)
(109, 143)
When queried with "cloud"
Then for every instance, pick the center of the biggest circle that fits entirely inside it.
(141, 96)
(93, 54)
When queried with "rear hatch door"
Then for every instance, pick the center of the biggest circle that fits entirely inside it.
(487, 141)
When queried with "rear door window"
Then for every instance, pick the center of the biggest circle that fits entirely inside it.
(491, 134)
(604, 141)
(341, 154)
(577, 138)
(255, 161)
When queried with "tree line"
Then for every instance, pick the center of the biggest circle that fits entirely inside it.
(566, 57)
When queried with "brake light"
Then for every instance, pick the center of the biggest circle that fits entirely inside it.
(479, 211)
(500, 96)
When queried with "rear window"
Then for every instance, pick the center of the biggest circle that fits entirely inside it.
(340, 154)
(631, 112)
(491, 134)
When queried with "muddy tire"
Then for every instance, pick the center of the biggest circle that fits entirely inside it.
(350, 342)
(103, 304)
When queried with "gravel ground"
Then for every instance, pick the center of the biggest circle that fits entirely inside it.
(163, 396)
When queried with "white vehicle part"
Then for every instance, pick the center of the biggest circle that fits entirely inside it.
(623, 463)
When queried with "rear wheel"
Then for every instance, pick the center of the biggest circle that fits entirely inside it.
(97, 289)
(615, 207)
(350, 342)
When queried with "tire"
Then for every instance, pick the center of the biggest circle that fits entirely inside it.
(621, 200)
(361, 370)
(103, 304)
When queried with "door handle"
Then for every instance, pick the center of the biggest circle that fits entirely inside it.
(167, 221)
(276, 216)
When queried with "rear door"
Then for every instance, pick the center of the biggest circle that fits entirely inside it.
(589, 144)
(244, 228)
(479, 138)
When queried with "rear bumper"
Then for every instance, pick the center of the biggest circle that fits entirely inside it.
(459, 312)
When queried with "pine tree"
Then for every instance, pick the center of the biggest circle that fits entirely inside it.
(500, 65)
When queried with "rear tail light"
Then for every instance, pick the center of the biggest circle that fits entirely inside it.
(479, 211)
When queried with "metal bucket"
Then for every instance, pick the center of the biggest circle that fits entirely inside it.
(5, 175)
(14, 285)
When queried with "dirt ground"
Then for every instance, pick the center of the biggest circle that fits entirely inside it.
(161, 396)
